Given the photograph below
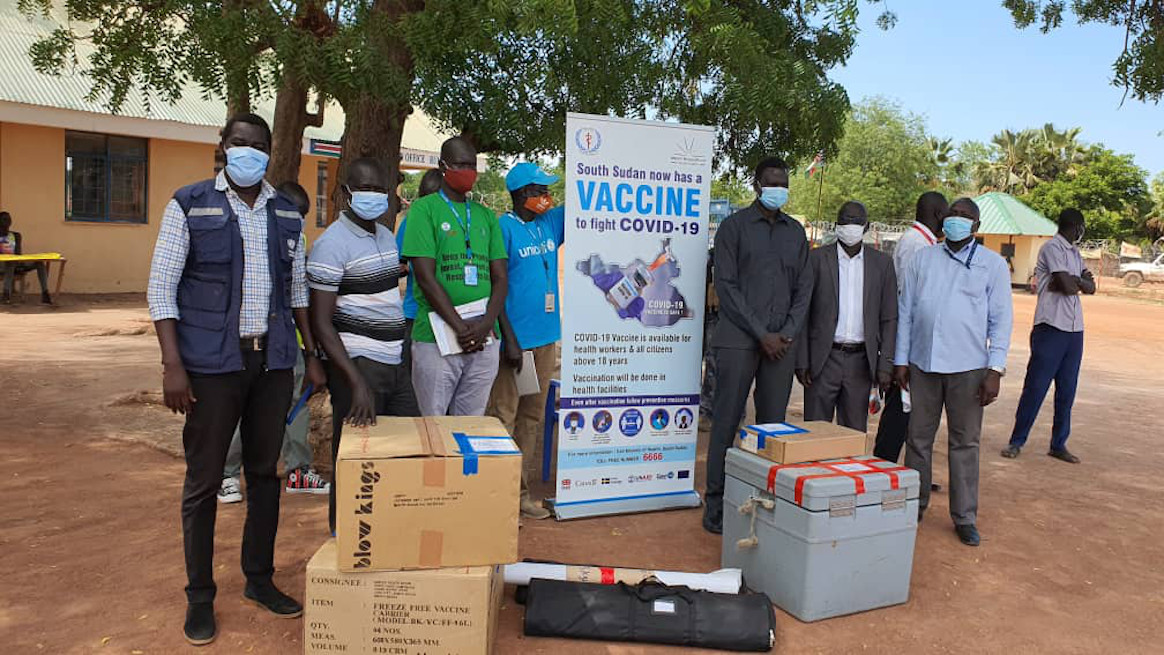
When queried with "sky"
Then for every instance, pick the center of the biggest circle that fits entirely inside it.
(966, 68)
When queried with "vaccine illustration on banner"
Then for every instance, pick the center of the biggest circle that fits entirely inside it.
(602, 421)
(640, 290)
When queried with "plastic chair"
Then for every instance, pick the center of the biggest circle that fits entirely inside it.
(550, 424)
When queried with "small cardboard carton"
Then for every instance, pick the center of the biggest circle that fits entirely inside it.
(421, 612)
(426, 493)
(812, 441)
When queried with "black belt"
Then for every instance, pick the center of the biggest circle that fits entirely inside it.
(253, 344)
(849, 347)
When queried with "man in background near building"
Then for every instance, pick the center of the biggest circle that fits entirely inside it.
(764, 287)
(455, 249)
(954, 322)
(430, 183)
(12, 243)
(847, 345)
(1057, 338)
(532, 232)
(356, 309)
(301, 477)
(235, 248)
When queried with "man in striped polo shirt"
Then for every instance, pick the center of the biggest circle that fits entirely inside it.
(354, 274)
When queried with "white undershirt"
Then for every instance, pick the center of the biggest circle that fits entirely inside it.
(851, 293)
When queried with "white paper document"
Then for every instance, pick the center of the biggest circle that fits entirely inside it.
(527, 378)
(446, 338)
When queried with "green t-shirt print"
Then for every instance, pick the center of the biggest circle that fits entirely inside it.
(437, 231)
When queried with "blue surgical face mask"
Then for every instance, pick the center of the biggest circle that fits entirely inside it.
(957, 228)
(246, 166)
(773, 197)
(369, 205)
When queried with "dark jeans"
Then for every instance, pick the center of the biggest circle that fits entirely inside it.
(12, 268)
(893, 428)
(707, 390)
(392, 391)
(736, 370)
(1055, 355)
(261, 400)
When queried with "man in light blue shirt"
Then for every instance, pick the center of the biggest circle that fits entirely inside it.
(532, 233)
(953, 333)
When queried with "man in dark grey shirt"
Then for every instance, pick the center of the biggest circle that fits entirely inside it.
(764, 287)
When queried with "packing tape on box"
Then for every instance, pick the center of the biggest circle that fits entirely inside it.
(432, 546)
(471, 447)
(854, 469)
(786, 429)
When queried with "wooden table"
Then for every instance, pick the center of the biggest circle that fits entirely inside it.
(47, 258)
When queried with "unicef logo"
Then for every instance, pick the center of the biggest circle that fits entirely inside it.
(588, 140)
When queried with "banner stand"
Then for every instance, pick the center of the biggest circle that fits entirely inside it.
(655, 503)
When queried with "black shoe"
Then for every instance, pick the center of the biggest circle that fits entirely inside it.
(1011, 451)
(1064, 455)
(270, 598)
(968, 534)
(200, 626)
(713, 518)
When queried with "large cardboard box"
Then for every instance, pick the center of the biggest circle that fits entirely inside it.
(811, 441)
(419, 493)
(423, 612)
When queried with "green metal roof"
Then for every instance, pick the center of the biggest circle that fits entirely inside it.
(1004, 214)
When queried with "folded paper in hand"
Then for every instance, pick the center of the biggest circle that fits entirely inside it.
(446, 337)
(527, 378)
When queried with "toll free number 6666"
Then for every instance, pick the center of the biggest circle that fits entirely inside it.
(652, 457)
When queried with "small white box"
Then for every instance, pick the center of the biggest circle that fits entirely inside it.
(827, 538)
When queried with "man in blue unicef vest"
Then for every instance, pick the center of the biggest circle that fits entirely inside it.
(227, 288)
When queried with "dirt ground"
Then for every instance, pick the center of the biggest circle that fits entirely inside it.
(1072, 559)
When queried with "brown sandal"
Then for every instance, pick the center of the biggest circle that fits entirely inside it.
(1064, 455)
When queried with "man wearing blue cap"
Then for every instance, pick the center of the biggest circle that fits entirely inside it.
(532, 233)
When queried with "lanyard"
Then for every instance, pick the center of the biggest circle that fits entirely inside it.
(464, 226)
(924, 235)
(970, 258)
(540, 240)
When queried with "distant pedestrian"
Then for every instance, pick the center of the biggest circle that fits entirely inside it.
(847, 346)
(764, 286)
(1057, 338)
(235, 248)
(12, 243)
(456, 251)
(532, 232)
(953, 334)
(357, 312)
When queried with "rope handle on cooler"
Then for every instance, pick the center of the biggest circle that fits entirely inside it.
(749, 507)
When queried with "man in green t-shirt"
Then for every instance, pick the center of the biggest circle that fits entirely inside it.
(457, 254)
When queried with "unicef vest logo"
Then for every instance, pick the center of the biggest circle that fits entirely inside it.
(588, 140)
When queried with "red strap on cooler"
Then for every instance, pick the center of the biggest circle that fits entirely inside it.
(607, 575)
(834, 472)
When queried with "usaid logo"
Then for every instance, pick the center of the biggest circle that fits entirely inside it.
(588, 140)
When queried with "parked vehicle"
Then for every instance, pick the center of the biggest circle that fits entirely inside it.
(1136, 273)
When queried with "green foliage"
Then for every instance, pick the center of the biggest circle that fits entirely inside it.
(884, 160)
(735, 188)
(1139, 68)
(1023, 160)
(1110, 190)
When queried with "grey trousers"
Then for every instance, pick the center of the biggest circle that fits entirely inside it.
(958, 394)
(842, 387)
(736, 369)
(457, 385)
(296, 450)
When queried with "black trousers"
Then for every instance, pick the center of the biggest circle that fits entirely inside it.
(260, 399)
(893, 429)
(392, 390)
(735, 371)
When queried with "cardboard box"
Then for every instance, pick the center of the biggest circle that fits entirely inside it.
(424, 612)
(812, 441)
(426, 493)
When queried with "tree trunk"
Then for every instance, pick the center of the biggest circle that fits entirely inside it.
(374, 128)
(291, 119)
(238, 98)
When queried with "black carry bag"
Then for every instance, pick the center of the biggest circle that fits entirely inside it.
(650, 612)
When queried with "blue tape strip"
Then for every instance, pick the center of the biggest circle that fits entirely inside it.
(786, 430)
(469, 454)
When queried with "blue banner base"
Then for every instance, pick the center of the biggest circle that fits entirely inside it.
(629, 505)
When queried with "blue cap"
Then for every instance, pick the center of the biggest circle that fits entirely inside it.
(524, 174)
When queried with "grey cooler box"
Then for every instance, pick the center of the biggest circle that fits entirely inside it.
(822, 539)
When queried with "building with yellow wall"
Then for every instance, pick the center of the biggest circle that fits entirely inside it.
(1014, 231)
(92, 185)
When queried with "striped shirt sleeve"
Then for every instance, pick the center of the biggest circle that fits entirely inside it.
(168, 263)
(299, 275)
(325, 266)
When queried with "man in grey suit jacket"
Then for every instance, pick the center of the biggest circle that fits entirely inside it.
(851, 330)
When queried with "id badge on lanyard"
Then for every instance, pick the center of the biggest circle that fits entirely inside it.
(550, 302)
(470, 275)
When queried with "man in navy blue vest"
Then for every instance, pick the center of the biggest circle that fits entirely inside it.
(227, 288)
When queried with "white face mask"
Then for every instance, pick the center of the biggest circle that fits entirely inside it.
(850, 234)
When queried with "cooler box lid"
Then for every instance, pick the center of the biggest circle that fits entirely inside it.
(813, 485)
